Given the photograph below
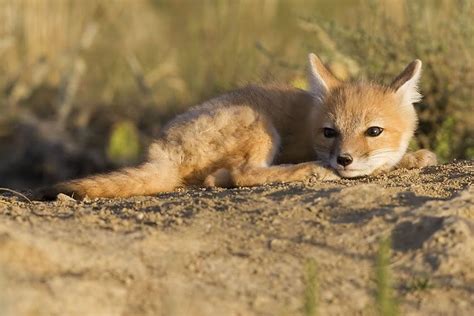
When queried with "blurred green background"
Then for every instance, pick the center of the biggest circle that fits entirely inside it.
(85, 85)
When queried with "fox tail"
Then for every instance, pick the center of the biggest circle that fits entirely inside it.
(146, 179)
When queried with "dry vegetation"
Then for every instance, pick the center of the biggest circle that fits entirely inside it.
(86, 84)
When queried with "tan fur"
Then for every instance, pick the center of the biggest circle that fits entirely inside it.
(418, 159)
(263, 134)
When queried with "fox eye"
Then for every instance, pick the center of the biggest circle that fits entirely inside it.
(329, 132)
(374, 131)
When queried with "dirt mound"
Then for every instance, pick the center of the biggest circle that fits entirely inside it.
(244, 251)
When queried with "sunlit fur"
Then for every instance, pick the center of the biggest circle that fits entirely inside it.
(351, 109)
(263, 134)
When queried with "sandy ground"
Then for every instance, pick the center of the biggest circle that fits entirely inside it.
(244, 251)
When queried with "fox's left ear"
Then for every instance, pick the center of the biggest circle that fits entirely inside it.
(321, 80)
(405, 84)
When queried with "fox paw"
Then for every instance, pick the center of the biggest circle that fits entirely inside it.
(323, 173)
(418, 159)
(220, 178)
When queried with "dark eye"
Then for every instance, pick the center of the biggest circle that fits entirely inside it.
(374, 131)
(329, 132)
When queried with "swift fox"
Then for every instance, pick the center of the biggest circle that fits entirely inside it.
(264, 134)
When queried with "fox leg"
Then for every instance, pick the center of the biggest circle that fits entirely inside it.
(256, 168)
(250, 176)
(417, 159)
(220, 178)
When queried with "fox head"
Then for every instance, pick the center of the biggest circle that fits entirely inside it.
(358, 127)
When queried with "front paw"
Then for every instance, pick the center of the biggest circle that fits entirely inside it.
(425, 158)
(418, 159)
(323, 173)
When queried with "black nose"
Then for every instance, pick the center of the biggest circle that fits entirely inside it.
(344, 160)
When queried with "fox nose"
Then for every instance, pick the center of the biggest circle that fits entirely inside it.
(344, 160)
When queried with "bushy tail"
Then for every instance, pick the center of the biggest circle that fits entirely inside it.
(147, 179)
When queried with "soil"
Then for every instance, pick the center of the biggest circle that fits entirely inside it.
(245, 251)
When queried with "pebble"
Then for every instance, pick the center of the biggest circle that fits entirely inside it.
(328, 296)
(63, 198)
(277, 244)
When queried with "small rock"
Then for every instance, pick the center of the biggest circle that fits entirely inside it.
(63, 198)
(277, 244)
(440, 239)
(390, 217)
(328, 296)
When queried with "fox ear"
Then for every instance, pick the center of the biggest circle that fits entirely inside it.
(406, 83)
(321, 80)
